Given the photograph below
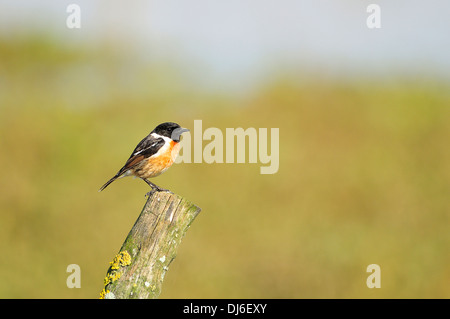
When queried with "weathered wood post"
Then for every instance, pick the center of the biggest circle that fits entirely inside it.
(138, 270)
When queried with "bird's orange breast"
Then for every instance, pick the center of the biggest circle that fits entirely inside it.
(159, 163)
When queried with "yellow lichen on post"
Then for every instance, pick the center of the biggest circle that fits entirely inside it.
(111, 277)
(103, 293)
(122, 259)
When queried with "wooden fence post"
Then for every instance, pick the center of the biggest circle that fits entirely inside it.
(138, 270)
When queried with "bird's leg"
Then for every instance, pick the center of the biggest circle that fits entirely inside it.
(155, 188)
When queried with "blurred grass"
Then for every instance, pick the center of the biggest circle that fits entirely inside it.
(364, 178)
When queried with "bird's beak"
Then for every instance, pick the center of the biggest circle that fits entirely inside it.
(177, 133)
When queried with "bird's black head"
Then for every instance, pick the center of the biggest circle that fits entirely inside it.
(171, 130)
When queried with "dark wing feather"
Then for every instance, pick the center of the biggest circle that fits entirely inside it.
(146, 148)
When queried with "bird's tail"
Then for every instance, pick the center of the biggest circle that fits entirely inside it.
(109, 182)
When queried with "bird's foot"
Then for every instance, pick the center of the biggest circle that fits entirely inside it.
(157, 189)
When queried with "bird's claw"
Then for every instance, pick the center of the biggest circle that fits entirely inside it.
(157, 189)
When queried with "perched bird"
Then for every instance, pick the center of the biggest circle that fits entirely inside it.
(153, 155)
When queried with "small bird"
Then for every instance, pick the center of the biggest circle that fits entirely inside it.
(153, 155)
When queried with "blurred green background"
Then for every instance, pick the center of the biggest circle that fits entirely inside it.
(364, 177)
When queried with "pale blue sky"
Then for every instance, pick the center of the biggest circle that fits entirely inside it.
(240, 38)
